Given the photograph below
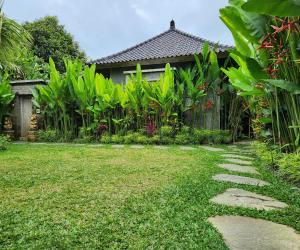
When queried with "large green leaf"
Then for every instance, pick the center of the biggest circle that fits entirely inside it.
(255, 69)
(273, 7)
(293, 88)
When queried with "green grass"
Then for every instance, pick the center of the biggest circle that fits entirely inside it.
(82, 197)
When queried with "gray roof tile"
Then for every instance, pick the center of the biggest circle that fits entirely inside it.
(171, 43)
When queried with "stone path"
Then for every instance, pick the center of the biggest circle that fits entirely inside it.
(236, 156)
(160, 147)
(245, 233)
(239, 161)
(238, 168)
(241, 198)
(239, 179)
(212, 148)
(186, 148)
(137, 146)
(117, 146)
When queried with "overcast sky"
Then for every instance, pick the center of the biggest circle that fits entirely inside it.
(103, 27)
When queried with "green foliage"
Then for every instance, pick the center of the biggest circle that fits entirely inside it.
(4, 141)
(274, 8)
(48, 136)
(6, 97)
(166, 131)
(289, 167)
(13, 39)
(28, 66)
(268, 73)
(182, 139)
(50, 39)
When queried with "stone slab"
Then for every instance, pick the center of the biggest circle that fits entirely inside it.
(238, 161)
(239, 179)
(241, 198)
(137, 146)
(117, 146)
(212, 149)
(236, 156)
(96, 145)
(245, 233)
(238, 168)
(160, 147)
(186, 148)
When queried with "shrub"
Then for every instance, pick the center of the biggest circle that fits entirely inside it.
(105, 138)
(166, 140)
(182, 139)
(270, 155)
(4, 141)
(130, 137)
(83, 139)
(289, 166)
(154, 139)
(117, 139)
(166, 131)
(142, 139)
(48, 136)
(185, 130)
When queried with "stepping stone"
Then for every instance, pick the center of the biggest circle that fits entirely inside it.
(239, 161)
(238, 168)
(212, 148)
(243, 157)
(241, 198)
(245, 233)
(137, 146)
(243, 143)
(160, 147)
(117, 146)
(186, 148)
(239, 179)
(96, 145)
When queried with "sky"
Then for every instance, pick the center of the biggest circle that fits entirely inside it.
(103, 27)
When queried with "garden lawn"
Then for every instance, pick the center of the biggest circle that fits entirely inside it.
(84, 197)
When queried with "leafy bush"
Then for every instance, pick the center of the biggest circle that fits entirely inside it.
(185, 130)
(182, 139)
(166, 131)
(83, 139)
(105, 138)
(4, 141)
(48, 136)
(166, 140)
(289, 166)
(142, 139)
(155, 139)
(117, 139)
(130, 137)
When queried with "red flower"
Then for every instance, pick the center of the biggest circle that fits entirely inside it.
(208, 105)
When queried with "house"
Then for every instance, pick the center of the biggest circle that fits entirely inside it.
(172, 46)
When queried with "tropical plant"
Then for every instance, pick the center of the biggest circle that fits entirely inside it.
(201, 81)
(268, 58)
(13, 38)
(6, 97)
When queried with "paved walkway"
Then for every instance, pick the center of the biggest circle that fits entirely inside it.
(246, 233)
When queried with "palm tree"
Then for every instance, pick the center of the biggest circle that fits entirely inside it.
(13, 38)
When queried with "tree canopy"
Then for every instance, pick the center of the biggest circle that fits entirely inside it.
(50, 39)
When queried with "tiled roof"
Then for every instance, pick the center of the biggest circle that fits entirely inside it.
(171, 43)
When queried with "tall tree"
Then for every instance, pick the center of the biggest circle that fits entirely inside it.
(13, 39)
(50, 39)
